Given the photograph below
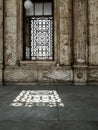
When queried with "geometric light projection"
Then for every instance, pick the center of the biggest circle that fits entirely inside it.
(41, 38)
(30, 98)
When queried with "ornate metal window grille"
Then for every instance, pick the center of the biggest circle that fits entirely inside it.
(41, 38)
(39, 35)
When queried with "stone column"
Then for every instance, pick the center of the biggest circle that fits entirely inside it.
(80, 15)
(10, 32)
(1, 39)
(65, 31)
(93, 41)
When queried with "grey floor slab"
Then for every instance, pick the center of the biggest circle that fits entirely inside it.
(79, 125)
(33, 125)
(79, 103)
(80, 110)
(7, 112)
(38, 113)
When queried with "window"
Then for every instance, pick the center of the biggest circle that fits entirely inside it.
(38, 31)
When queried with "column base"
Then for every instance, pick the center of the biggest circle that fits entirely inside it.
(80, 74)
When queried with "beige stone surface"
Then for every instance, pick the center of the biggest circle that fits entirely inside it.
(1, 25)
(65, 25)
(10, 25)
(93, 32)
(1, 3)
(16, 74)
(55, 75)
(10, 32)
(65, 8)
(65, 50)
(1, 51)
(80, 75)
(19, 30)
(80, 32)
(0, 75)
(11, 50)
(11, 8)
(1, 39)
(1, 34)
(93, 57)
(93, 74)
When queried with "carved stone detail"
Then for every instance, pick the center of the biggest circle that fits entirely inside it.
(80, 75)
(55, 75)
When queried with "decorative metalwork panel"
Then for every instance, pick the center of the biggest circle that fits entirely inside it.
(41, 38)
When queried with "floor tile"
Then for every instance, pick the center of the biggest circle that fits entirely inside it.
(78, 125)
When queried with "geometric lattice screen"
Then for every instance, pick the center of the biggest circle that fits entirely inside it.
(41, 38)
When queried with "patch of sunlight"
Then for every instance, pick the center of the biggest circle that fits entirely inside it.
(30, 98)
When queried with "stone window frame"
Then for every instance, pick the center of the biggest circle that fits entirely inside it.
(29, 24)
(20, 36)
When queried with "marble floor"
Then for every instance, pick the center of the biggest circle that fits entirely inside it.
(58, 107)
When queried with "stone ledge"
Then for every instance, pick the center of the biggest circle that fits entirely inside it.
(93, 67)
(80, 66)
(30, 63)
(43, 65)
(38, 83)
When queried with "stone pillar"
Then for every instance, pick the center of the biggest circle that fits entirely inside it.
(93, 41)
(93, 32)
(65, 31)
(80, 15)
(1, 39)
(10, 32)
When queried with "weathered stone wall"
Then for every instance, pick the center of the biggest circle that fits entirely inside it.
(80, 14)
(1, 39)
(93, 41)
(93, 32)
(75, 43)
(17, 70)
(10, 32)
(65, 7)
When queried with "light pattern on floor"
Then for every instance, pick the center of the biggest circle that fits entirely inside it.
(30, 98)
